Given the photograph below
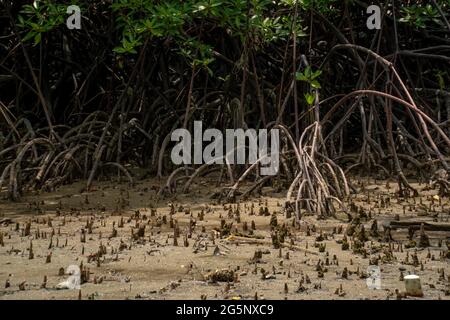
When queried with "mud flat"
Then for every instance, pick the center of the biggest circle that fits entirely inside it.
(132, 245)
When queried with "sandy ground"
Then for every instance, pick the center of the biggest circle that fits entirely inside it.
(122, 266)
